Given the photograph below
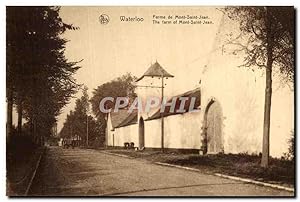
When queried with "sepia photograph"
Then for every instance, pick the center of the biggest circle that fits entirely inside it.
(150, 101)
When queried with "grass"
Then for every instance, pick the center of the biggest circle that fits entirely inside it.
(241, 165)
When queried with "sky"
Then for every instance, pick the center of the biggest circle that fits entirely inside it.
(110, 50)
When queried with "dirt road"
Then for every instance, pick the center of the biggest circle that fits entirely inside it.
(79, 172)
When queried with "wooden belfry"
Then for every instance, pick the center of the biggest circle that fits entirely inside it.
(156, 70)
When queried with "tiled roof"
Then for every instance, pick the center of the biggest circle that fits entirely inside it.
(118, 117)
(131, 119)
(123, 118)
(193, 93)
(156, 70)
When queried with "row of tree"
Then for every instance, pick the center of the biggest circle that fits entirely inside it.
(91, 131)
(39, 77)
(80, 125)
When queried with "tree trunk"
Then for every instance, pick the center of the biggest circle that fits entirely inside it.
(31, 127)
(35, 135)
(20, 115)
(267, 118)
(268, 95)
(9, 114)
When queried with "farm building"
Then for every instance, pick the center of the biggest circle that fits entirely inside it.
(227, 116)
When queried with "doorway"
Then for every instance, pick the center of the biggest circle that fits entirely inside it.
(213, 120)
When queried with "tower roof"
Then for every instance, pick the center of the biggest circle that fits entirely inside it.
(156, 70)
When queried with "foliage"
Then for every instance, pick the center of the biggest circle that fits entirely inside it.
(268, 42)
(290, 155)
(120, 87)
(76, 122)
(253, 38)
(38, 74)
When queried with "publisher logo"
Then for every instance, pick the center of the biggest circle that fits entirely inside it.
(104, 19)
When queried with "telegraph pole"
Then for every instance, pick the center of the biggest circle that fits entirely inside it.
(87, 130)
(162, 115)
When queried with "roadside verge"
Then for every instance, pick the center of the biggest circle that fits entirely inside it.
(34, 171)
(246, 180)
(22, 175)
(241, 179)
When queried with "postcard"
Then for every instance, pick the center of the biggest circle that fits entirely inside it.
(150, 101)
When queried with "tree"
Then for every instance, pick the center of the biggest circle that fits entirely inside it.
(77, 122)
(39, 78)
(268, 33)
(290, 154)
(81, 114)
(119, 87)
